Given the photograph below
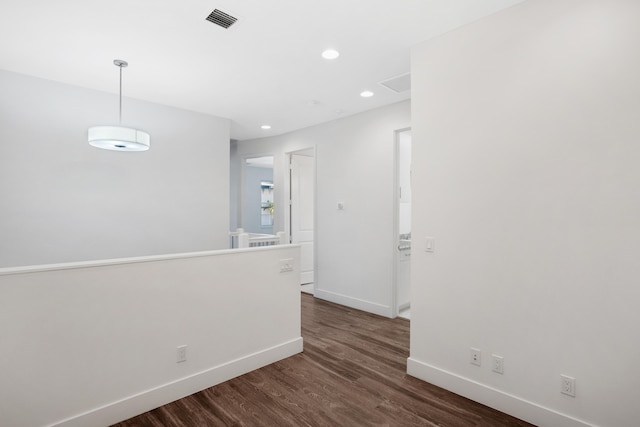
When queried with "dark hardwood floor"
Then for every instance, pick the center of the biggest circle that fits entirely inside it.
(352, 373)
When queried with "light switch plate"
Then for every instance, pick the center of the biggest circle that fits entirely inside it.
(429, 244)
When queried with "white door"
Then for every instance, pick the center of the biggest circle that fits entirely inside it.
(302, 201)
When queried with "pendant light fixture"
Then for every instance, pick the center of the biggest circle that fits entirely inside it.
(119, 138)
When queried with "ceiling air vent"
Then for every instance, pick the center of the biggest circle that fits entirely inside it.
(218, 17)
(398, 84)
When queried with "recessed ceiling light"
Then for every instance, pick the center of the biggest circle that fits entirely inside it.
(266, 127)
(366, 94)
(330, 54)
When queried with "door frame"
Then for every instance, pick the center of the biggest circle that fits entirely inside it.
(396, 218)
(287, 200)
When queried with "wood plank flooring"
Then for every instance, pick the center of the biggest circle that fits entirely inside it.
(352, 373)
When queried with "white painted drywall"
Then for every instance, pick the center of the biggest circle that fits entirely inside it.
(526, 171)
(62, 200)
(355, 166)
(91, 344)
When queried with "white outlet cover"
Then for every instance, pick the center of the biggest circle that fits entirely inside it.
(286, 265)
(498, 364)
(475, 356)
(568, 385)
(181, 354)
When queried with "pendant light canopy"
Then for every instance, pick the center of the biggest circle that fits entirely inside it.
(119, 138)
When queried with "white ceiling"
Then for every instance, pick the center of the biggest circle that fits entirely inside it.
(265, 69)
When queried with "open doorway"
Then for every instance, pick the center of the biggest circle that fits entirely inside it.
(402, 227)
(301, 215)
(258, 195)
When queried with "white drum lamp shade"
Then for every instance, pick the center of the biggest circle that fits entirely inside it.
(119, 138)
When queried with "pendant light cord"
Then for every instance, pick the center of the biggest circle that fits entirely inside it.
(120, 115)
(120, 64)
(120, 110)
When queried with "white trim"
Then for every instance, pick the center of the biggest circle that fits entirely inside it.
(161, 395)
(371, 307)
(119, 261)
(494, 398)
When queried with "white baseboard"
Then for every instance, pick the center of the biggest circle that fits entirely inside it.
(306, 277)
(404, 306)
(166, 393)
(371, 307)
(504, 402)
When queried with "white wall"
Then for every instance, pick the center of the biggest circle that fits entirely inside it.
(91, 344)
(525, 167)
(355, 165)
(63, 200)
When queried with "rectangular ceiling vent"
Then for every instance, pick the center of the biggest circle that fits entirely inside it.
(398, 84)
(218, 17)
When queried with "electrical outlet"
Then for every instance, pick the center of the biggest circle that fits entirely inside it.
(286, 265)
(498, 364)
(181, 354)
(568, 385)
(475, 356)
